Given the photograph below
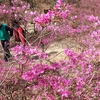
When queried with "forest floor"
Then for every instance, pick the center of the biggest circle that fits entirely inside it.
(55, 50)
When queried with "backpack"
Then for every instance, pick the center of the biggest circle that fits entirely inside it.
(16, 34)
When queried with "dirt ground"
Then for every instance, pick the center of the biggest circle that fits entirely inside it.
(56, 49)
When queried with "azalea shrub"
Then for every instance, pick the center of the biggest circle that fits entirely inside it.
(32, 76)
(76, 78)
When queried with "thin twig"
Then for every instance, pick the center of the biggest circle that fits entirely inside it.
(92, 77)
(48, 60)
(7, 74)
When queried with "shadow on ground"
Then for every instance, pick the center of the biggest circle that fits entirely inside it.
(49, 54)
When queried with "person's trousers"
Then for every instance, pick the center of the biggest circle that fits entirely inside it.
(5, 45)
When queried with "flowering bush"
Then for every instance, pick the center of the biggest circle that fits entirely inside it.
(75, 78)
